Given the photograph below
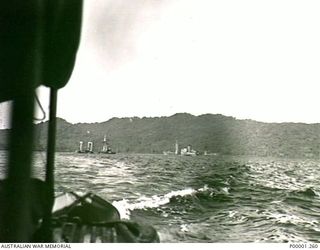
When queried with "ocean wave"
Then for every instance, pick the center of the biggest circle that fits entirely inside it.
(290, 219)
(179, 196)
(307, 192)
(302, 196)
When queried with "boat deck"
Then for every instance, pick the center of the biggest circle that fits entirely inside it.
(112, 232)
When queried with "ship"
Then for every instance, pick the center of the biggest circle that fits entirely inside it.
(106, 149)
(88, 150)
(188, 151)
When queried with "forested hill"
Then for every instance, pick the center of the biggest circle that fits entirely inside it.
(211, 133)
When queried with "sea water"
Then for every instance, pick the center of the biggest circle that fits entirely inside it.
(200, 198)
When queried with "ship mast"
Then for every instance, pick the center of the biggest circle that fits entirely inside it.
(177, 148)
(105, 144)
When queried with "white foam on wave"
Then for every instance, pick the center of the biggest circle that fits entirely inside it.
(120, 164)
(291, 218)
(225, 190)
(232, 213)
(184, 228)
(125, 206)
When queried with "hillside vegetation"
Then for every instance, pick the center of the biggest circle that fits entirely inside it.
(211, 133)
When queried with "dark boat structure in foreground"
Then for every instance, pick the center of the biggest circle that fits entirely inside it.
(91, 219)
(38, 43)
(85, 218)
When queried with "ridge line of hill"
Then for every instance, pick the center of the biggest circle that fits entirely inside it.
(214, 133)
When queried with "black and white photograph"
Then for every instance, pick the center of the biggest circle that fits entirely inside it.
(160, 121)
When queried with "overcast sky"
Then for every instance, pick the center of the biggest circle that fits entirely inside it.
(248, 59)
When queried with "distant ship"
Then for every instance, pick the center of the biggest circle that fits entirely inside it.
(88, 150)
(188, 151)
(106, 149)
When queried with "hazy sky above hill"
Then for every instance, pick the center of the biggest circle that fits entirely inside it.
(249, 59)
